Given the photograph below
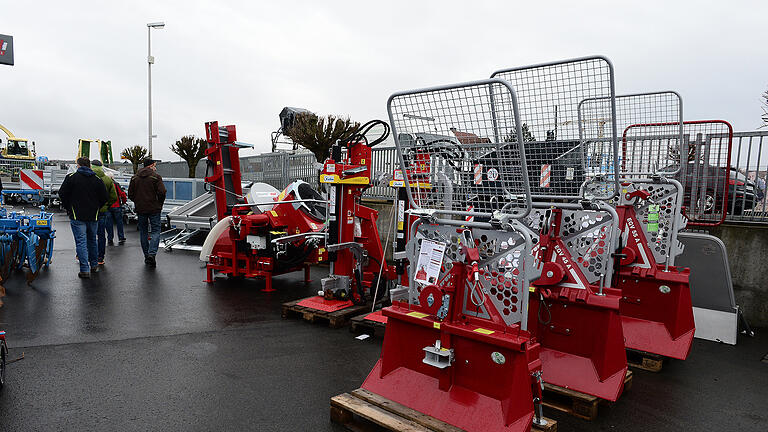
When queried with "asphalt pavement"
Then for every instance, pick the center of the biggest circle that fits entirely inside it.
(136, 349)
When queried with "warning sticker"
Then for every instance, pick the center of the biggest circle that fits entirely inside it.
(546, 171)
(478, 174)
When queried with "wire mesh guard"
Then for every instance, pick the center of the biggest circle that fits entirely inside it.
(706, 174)
(650, 131)
(563, 149)
(460, 149)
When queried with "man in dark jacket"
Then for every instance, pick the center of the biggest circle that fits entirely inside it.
(147, 192)
(82, 194)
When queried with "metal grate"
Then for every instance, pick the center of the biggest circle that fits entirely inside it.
(565, 149)
(460, 147)
(650, 128)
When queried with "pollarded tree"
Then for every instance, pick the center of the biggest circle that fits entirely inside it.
(318, 134)
(190, 149)
(135, 155)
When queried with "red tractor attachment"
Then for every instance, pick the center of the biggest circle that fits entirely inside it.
(457, 346)
(264, 233)
(358, 268)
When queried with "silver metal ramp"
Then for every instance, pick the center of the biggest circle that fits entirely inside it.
(714, 305)
(189, 220)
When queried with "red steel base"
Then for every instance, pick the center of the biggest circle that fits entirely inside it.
(656, 311)
(487, 388)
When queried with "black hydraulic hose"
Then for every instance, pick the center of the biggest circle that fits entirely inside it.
(360, 133)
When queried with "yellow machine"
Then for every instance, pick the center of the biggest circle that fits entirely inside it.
(17, 148)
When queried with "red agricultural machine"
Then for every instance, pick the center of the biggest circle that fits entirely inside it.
(259, 234)
(457, 346)
(266, 232)
(358, 269)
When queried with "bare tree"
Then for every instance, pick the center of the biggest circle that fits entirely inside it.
(318, 134)
(135, 155)
(527, 134)
(190, 149)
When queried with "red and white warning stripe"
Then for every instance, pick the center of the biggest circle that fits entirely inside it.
(470, 218)
(546, 171)
(478, 174)
(31, 179)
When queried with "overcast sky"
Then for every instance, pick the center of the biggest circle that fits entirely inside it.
(81, 69)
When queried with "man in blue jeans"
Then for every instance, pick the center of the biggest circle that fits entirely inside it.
(82, 194)
(147, 192)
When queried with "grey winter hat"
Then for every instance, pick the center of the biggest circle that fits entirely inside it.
(96, 162)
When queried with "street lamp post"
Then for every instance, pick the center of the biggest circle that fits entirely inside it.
(150, 61)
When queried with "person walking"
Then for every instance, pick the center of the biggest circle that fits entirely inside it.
(82, 194)
(115, 219)
(98, 168)
(147, 192)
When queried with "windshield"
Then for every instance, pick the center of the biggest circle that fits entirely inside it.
(312, 208)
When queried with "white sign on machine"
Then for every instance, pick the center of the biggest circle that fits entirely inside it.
(430, 262)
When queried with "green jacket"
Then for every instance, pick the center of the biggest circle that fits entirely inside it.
(111, 192)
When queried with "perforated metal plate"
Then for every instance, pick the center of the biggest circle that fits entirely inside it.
(663, 238)
(505, 268)
(587, 235)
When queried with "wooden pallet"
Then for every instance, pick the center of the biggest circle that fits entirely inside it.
(644, 360)
(575, 403)
(360, 325)
(336, 319)
(361, 410)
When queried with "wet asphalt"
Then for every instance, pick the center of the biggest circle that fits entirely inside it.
(137, 349)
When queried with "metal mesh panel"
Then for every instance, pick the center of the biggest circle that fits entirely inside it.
(302, 167)
(564, 150)
(650, 128)
(460, 149)
(706, 174)
(269, 168)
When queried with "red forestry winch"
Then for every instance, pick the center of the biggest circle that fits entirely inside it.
(457, 346)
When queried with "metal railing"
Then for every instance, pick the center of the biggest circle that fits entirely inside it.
(747, 187)
(747, 198)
